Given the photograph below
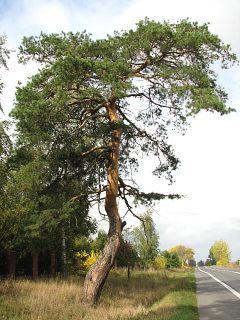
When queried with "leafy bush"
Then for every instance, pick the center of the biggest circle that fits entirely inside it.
(86, 260)
(173, 260)
(160, 263)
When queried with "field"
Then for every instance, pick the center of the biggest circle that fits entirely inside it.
(164, 295)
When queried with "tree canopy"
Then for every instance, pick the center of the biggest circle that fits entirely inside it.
(4, 55)
(184, 253)
(172, 259)
(5, 146)
(5, 142)
(146, 240)
(220, 253)
(165, 67)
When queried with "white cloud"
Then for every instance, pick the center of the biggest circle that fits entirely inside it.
(223, 16)
(46, 15)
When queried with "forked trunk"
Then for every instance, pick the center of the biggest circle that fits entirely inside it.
(98, 273)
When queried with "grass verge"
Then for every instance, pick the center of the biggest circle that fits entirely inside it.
(165, 295)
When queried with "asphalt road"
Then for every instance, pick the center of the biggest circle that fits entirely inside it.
(218, 293)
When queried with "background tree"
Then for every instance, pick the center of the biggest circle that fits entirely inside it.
(99, 242)
(185, 254)
(237, 263)
(160, 262)
(5, 150)
(210, 260)
(200, 263)
(220, 252)
(126, 254)
(5, 142)
(38, 209)
(4, 55)
(172, 259)
(146, 240)
(83, 94)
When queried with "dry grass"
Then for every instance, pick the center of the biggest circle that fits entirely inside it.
(146, 294)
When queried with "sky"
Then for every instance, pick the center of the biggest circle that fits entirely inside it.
(209, 175)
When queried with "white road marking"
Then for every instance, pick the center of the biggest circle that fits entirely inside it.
(224, 270)
(237, 294)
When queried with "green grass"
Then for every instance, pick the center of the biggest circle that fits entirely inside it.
(179, 303)
(165, 295)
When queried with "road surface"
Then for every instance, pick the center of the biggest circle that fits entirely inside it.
(218, 293)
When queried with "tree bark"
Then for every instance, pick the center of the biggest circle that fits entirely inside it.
(53, 265)
(64, 253)
(99, 271)
(34, 266)
(128, 270)
(11, 264)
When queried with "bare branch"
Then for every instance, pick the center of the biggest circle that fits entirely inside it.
(142, 66)
(141, 132)
(158, 104)
(86, 194)
(141, 94)
(85, 100)
(134, 95)
(94, 149)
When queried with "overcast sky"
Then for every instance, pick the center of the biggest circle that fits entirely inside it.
(209, 175)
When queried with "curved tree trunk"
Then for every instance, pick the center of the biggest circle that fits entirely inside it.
(98, 273)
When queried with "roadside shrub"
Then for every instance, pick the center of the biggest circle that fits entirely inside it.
(160, 263)
(173, 260)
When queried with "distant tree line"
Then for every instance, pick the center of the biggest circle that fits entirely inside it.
(220, 255)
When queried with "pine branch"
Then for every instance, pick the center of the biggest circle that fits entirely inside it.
(94, 149)
(91, 192)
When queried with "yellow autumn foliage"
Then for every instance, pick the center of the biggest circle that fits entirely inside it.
(160, 263)
(87, 259)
